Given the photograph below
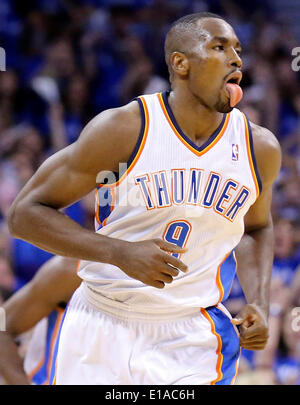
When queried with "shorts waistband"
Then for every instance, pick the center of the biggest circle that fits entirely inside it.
(125, 311)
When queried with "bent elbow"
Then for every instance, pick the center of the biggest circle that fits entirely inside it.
(13, 216)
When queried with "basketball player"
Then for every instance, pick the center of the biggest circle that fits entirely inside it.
(41, 302)
(199, 176)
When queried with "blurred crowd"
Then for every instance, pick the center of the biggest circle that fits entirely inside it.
(69, 60)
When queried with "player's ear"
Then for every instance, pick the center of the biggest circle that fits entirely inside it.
(179, 63)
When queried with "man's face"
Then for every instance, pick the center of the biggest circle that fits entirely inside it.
(214, 59)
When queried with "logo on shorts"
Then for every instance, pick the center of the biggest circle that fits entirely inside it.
(235, 152)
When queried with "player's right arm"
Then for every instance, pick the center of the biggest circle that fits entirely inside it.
(70, 174)
(55, 282)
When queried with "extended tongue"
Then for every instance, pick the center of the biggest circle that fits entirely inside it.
(235, 93)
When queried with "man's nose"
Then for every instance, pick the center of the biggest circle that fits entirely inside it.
(235, 60)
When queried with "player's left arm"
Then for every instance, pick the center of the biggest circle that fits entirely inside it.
(255, 251)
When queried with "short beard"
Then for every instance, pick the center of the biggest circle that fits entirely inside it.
(222, 107)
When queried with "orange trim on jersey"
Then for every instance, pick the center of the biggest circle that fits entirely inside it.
(112, 206)
(218, 279)
(77, 266)
(250, 155)
(113, 199)
(238, 335)
(235, 259)
(138, 154)
(198, 153)
(55, 373)
(40, 364)
(236, 369)
(97, 208)
(219, 348)
(36, 368)
(53, 340)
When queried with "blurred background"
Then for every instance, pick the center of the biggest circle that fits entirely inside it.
(66, 61)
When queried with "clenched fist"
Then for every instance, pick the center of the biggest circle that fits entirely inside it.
(253, 327)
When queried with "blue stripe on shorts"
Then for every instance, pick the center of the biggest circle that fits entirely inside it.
(230, 348)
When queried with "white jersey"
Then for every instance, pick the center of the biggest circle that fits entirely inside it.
(192, 196)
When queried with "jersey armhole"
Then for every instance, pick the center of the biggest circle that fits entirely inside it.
(142, 131)
(251, 155)
(139, 146)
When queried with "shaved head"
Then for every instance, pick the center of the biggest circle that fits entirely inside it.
(182, 31)
(202, 52)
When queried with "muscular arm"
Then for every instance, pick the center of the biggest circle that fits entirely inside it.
(70, 174)
(65, 178)
(255, 251)
(55, 282)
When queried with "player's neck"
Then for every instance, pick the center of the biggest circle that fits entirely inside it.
(195, 120)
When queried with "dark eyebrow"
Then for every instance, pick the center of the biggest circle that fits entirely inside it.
(225, 40)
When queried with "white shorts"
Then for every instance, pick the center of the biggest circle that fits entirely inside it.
(100, 344)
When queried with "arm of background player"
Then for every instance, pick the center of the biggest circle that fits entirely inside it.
(70, 174)
(55, 282)
(255, 251)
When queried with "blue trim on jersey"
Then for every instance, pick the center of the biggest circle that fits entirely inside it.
(165, 96)
(141, 135)
(227, 274)
(253, 156)
(139, 141)
(40, 377)
(105, 202)
(52, 371)
(230, 349)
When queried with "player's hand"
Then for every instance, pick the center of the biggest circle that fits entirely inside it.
(150, 262)
(253, 327)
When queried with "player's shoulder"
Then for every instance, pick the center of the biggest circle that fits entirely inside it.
(116, 121)
(110, 137)
(267, 152)
(264, 138)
